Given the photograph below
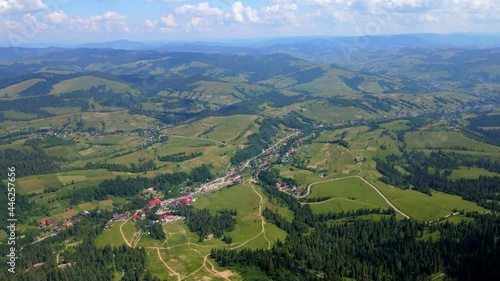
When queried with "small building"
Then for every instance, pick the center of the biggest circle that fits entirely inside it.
(46, 222)
(167, 218)
(68, 224)
(154, 202)
(118, 217)
(136, 217)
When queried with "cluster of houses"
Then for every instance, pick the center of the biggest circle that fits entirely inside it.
(164, 207)
(283, 186)
(48, 224)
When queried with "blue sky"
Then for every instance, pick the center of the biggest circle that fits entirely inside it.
(63, 21)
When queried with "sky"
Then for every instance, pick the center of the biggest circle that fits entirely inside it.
(25, 22)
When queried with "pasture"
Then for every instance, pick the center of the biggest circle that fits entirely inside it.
(347, 194)
(86, 82)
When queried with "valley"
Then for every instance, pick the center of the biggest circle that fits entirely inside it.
(222, 166)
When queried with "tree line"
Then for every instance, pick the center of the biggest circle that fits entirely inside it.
(385, 249)
(425, 173)
(88, 262)
(202, 222)
(179, 157)
(131, 186)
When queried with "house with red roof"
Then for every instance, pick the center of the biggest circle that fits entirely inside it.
(167, 218)
(45, 222)
(154, 202)
(136, 217)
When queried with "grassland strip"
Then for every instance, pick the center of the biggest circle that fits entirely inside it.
(166, 265)
(261, 217)
(123, 235)
(365, 181)
(193, 138)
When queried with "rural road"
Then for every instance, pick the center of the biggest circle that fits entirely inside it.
(365, 181)
(385, 198)
(260, 216)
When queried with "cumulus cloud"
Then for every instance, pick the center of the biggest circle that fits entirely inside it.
(168, 20)
(57, 17)
(281, 11)
(239, 13)
(202, 9)
(20, 6)
(150, 24)
(108, 22)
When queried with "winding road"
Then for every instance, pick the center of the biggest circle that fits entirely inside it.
(365, 181)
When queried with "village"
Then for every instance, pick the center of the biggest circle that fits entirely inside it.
(165, 209)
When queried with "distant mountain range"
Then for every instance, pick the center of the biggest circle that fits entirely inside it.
(336, 49)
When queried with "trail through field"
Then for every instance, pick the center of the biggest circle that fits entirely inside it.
(166, 265)
(365, 181)
(263, 231)
(123, 234)
(193, 138)
(337, 199)
(72, 244)
(385, 198)
(205, 260)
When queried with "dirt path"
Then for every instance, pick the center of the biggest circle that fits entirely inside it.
(193, 138)
(338, 198)
(318, 182)
(262, 221)
(385, 198)
(365, 181)
(212, 270)
(166, 265)
(123, 235)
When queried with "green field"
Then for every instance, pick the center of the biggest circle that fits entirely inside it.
(471, 173)
(111, 236)
(86, 82)
(12, 90)
(445, 139)
(424, 207)
(348, 194)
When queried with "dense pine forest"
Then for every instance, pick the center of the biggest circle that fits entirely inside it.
(363, 249)
(484, 190)
(84, 261)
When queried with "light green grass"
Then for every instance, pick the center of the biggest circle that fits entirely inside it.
(111, 236)
(86, 82)
(472, 173)
(445, 138)
(15, 89)
(244, 200)
(348, 194)
(423, 207)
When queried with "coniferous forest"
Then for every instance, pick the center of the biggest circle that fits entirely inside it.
(388, 249)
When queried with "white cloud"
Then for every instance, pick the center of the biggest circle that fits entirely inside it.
(57, 17)
(108, 22)
(150, 24)
(20, 6)
(239, 13)
(168, 20)
(282, 11)
(238, 9)
(202, 9)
